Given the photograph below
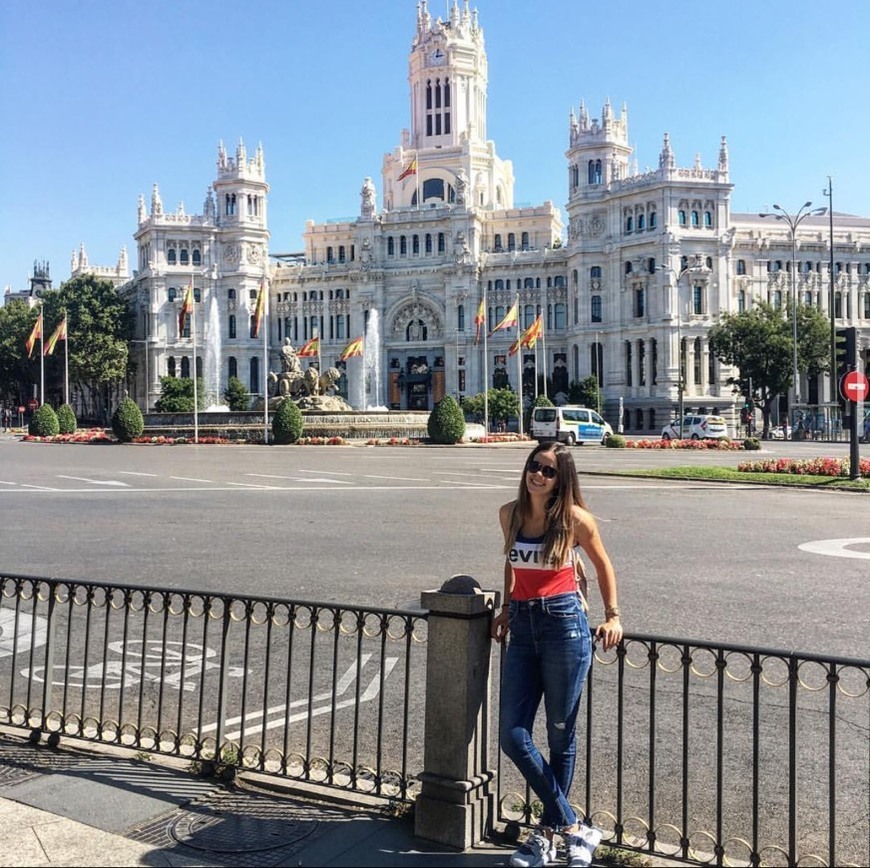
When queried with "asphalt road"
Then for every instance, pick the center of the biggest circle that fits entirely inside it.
(379, 525)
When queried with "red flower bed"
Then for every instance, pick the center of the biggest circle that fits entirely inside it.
(720, 445)
(805, 467)
(90, 435)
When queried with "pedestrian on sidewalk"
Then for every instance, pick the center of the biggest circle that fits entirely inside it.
(550, 648)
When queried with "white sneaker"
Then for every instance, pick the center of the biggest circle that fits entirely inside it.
(581, 845)
(538, 850)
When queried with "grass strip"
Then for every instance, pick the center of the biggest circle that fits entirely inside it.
(728, 474)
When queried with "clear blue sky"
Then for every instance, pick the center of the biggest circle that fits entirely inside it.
(101, 98)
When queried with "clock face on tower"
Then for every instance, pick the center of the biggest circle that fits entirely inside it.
(436, 58)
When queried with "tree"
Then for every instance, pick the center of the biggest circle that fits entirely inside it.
(759, 342)
(176, 395)
(44, 422)
(287, 422)
(236, 395)
(472, 407)
(127, 421)
(503, 403)
(446, 423)
(99, 325)
(586, 392)
(66, 419)
(17, 373)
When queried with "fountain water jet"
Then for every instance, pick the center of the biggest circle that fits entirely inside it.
(371, 381)
(213, 358)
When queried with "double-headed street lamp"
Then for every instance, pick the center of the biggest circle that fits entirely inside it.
(681, 383)
(793, 221)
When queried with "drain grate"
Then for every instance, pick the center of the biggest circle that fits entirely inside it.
(238, 828)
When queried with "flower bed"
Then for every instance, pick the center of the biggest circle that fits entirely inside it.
(501, 438)
(805, 466)
(161, 440)
(393, 441)
(89, 435)
(321, 441)
(724, 445)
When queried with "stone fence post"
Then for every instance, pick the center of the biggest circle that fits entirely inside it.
(455, 805)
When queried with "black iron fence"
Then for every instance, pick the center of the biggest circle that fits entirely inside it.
(310, 691)
(711, 754)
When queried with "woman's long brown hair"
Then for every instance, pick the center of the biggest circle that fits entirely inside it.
(558, 537)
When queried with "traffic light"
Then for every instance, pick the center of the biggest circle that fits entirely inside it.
(846, 349)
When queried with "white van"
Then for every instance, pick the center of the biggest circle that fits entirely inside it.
(569, 424)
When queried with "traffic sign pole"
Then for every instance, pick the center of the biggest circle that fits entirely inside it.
(854, 387)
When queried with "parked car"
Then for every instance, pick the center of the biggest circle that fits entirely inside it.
(696, 428)
(569, 424)
(781, 432)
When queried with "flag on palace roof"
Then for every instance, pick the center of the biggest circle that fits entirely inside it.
(36, 333)
(310, 348)
(354, 348)
(259, 310)
(186, 309)
(59, 335)
(480, 319)
(511, 318)
(411, 170)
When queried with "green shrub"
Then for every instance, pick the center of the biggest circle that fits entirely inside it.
(287, 422)
(751, 443)
(127, 421)
(43, 422)
(66, 419)
(236, 396)
(446, 422)
(176, 395)
(615, 441)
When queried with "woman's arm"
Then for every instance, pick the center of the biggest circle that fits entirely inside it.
(587, 537)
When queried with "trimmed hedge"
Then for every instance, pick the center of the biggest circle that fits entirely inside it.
(66, 419)
(127, 421)
(286, 423)
(446, 422)
(43, 422)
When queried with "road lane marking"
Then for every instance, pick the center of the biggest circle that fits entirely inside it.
(253, 485)
(837, 548)
(298, 479)
(3, 482)
(134, 473)
(190, 479)
(398, 478)
(333, 472)
(93, 481)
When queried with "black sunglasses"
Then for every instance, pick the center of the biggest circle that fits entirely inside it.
(536, 466)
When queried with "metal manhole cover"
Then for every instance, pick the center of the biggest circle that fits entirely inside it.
(241, 825)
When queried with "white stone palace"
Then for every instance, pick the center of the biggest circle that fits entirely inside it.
(646, 265)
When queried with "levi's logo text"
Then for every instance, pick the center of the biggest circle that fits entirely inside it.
(528, 555)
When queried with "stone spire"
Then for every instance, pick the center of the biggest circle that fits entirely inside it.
(723, 155)
(666, 157)
(143, 215)
(156, 202)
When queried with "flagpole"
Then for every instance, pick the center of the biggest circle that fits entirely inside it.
(193, 332)
(519, 371)
(66, 362)
(544, 347)
(42, 354)
(265, 291)
(485, 367)
(417, 177)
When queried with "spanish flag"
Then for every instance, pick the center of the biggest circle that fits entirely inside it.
(310, 348)
(528, 338)
(36, 333)
(59, 335)
(480, 319)
(186, 309)
(411, 170)
(259, 310)
(354, 348)
(511, 318)
(533, 332)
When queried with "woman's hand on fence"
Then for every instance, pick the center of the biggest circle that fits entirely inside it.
(610, 633)
(500, 625)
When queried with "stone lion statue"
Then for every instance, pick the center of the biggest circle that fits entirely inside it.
(295, 384)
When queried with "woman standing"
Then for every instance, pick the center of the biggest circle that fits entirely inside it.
(550, 648)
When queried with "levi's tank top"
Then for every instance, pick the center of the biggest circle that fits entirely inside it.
(532, 577)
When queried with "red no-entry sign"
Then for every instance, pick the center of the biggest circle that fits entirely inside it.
(854, 386)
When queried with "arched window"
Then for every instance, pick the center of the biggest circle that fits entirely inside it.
(184, 258)
(403, 245)
(171, 293)
(415, 245)
(197, 257)
(528, 283)
(254, 378)
(629, 223)
(561, 316)
(595, 272)
(653, 220)
(696, 219)
(391, 246)
(741, 266)
(708, 219)
(741, 301)
(428, 242)
(185, 367)
(441, 242)
(498, 247)
(170, 256)
(628, 268)
(709, 262)
(528, 315)
(697, 365)
(629, 374)
(595, 311)
(232, 366)
(231, 295)
(558, 281)
(698, 299)
(651, 265)
(641, 222)
(499, 284)
(199, 367)
(777, 299)
(682, 217)
(512, 241)
(231, 325)
(460, 317)
(170, 366)
(524, 241)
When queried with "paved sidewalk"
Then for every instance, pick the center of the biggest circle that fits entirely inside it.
(82, 807)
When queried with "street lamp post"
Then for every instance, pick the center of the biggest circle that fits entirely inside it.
(793, 221)
(681, 384)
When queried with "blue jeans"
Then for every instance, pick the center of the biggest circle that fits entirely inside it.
(549, 655)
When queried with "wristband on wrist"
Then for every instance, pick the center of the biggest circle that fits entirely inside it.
(612, 612)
